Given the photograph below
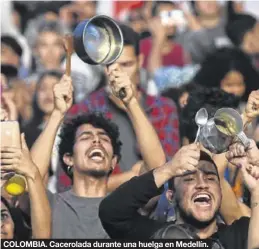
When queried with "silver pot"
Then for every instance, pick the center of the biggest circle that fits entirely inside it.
(221, 131)
(98, 40)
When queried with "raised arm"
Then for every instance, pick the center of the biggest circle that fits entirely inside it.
(148, 141)
(231, 208)
(114, 181)
(19, 160)
(249, 162)
(119, 210)
(42, 148)
(252, 108)
(158, 37)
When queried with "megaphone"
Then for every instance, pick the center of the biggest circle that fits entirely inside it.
(99, 41)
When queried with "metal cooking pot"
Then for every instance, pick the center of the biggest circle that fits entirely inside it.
(98, 40)
(220, 131)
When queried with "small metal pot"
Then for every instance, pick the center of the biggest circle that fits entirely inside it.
(216, 141)
(234, 117)
(98, 40)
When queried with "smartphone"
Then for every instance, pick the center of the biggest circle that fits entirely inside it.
(174, 17)
(10, 134)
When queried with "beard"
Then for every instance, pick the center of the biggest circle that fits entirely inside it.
(98, 173)
(188, 218)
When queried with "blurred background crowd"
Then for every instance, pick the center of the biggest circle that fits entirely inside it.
(195, 53)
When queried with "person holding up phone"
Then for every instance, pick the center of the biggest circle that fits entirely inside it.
(206, 22)
(17, 159)
(161, 50)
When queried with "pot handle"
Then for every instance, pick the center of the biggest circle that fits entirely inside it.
(68, 43)
(122, 92)
(244, 139)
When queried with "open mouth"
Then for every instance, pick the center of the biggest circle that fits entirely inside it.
(202, 199)
(96, 155)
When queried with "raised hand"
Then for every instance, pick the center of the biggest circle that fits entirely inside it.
(252, 106)
(186, 159)
(118, 80)
(63, 95)
(10, 108)
(248, 160)
(3, 114)
(157, 29)
(251, 177)
(238, 156)
(17, 160)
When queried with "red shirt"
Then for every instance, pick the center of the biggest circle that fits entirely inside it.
(161, 112)
(176, 57)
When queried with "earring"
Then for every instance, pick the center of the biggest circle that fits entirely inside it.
(70, 170)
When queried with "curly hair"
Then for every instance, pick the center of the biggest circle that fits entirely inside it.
(210, 98)
(222, 61)
(97, 120)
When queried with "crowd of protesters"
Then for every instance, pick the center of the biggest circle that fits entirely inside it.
(98, 166)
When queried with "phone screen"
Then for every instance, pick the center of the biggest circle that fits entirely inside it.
(10, 134)
(174, 17)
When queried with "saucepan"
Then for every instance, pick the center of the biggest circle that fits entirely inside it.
(99, 41)
(222, 130)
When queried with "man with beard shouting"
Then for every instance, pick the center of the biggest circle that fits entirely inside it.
(197, 195)
(89, 150)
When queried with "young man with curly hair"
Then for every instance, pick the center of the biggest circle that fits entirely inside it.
(89, 150)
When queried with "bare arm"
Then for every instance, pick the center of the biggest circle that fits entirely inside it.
(40, 208)
(231, 209)
(19, 161)
(249, 161)
(253, 239)
(115, 181)
(252, 108)
(155, 56)
(158, 38)
(42, 149)
(149, 143)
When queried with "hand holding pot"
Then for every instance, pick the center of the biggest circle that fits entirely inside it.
(119, 80)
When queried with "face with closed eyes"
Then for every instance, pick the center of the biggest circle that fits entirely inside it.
(7, 224)
(198, 194)
(92, 152)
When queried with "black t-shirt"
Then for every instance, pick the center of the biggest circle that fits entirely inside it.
(235, 235)
(121, 219)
